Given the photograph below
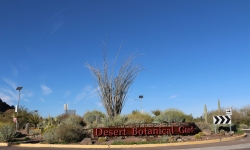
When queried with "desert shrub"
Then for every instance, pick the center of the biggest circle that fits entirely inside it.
(69, 133)
(156, 112)
(91, 116)
(203, 125)
(170, 115)
(106, 121)
(50, 135)
(101, 139)
(139, 118)
(74, 120)
(164, 139)
(197, 136)
(35, 132)
(135, 111)
(119, 120)
(243, 126)
(116, 121)
(7, 132)
(201, 133)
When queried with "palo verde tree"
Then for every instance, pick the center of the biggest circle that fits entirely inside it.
(113, 88)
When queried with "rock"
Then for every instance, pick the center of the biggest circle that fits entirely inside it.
(179, 139)
(231, 133)
(86, 141)
(222, 132)
(206, 132)
(144, 140)
(226, 133)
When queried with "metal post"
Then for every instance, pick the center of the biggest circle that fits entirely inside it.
(18, 102)
(141, 96)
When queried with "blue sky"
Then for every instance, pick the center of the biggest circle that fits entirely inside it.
(194, 52)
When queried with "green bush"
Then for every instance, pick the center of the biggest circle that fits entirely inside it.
(116, 121)
(68, 133)
(201, 133)
(197, 136)
(74, 120)
(102, 139)
(164, 139)
(50, 136)
(156, 112)
(170, 115)
(243, 126)
(7, 132)
(91, 116)
(119, 120)
(139, 118)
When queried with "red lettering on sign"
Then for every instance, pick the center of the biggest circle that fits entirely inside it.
(134, 131)
(106, 132)
(115, 132)
(97, 132)
(110, 132)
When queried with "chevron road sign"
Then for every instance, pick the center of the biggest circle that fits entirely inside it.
(222, 119)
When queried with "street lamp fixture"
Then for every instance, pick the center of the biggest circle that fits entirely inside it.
(140, 99)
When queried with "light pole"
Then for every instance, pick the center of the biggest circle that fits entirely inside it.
(19, 89)
(140, 99)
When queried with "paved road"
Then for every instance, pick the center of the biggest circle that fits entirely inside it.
(241, 144)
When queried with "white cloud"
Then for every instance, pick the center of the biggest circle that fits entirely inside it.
(99, 104)
(9, 94)
(87, 93)
(42, 100)
(80, 96)
(10, 83)
(174, 96)
(6, 98)
(46, 90)
(66, 94)
(152, 87)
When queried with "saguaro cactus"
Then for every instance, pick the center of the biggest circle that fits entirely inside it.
(219, 106)
(205, 113)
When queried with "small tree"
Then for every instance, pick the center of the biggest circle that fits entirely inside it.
(156, 112)
(33, 118)
(112, 89)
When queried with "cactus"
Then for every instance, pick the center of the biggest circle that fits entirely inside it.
(205, 113)
(27, 128)
(219, 106)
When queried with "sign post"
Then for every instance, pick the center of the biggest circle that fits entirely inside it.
(229, 113)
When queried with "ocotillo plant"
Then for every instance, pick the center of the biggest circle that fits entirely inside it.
(219, 106)
(205, 113)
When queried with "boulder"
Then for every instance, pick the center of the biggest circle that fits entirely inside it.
(86, 141)
(206, 132)
(231, 133)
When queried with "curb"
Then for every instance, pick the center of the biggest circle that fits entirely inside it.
(124, 146)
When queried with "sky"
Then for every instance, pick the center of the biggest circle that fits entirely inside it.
(193, 53)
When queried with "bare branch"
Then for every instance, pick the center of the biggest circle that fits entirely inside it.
(113, 89)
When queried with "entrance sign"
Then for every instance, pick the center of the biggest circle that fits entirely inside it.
(228, 112)
(146, 131)
(222, 119)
